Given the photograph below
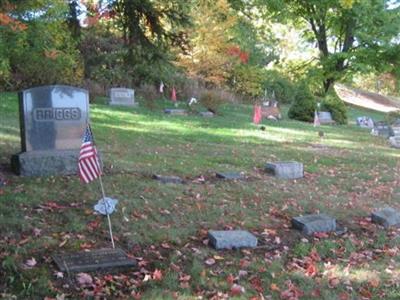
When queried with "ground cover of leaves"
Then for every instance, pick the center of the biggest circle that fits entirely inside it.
(348, 174)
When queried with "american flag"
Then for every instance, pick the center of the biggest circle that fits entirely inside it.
(88, 166)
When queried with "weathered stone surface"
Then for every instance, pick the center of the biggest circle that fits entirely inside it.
(310, 224)
(93, 260)
(168, 179)
(394, 141)
(325, 117)
(382, 129)
(231, 239)
(122, 96)
(230, 175)
(45, 163)
(285, 169)
(206, 114)
(175, 111)
(387, 217)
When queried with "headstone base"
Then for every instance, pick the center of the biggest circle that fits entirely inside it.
(387, 217)
(45, 163)
(231, 239)
(175, 111)
(285, 169)
(309, 224)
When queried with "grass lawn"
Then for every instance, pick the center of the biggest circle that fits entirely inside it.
(348, 174)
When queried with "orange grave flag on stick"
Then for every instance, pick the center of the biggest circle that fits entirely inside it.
(173, 96)
(257, 116)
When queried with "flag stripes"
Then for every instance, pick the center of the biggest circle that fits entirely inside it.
(88, 166)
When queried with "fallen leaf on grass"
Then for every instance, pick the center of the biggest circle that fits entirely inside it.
(84, 279)
(365, 293)
(210, 261)
(230, 279)
(374, 282)
(274, 287)
(344, 296)
(237, 290)
(157, 275)
(30, 263)
(333, 282)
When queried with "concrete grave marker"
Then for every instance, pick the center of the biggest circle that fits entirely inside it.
(93, 260)
(285, 169)
(52, 122)
(231, 239)
(365, 122)
(168, 179)
(325, 117)
(206, 114)
(387, 217)
(175, 111)
(230, 175)
(309, 224)
(122, 96)
(382, 129)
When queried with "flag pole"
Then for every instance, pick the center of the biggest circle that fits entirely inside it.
(103, 193)
(108, 215)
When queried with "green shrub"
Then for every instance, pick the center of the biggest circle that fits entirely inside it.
(303, 106)
(392, 116)
(282, 87)
(211, 99)
(335, 106)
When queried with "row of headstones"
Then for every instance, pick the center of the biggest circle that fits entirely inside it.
(307, 224)
(281, 169)
(52, 122)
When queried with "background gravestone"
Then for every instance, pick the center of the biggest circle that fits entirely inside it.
(325, 117)
(122, 96)
(52, 123)
(381, 128)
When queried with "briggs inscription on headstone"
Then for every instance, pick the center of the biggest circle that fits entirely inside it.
(93, 260)
(122, 96)
(52, 122)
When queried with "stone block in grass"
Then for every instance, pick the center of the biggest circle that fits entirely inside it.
(175, 111)
(310, 224)
(230, 175)
(168, 179)
(387, 217)
(285, 169)
(231, 239)
(206, 114)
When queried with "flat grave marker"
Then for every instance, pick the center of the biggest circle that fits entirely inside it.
(230, 175)
(122, 96)
(206, 114)
(381, 128)
(387, 217)
(231, 239)
(52, 122)
(168, 179)
(93, 260)
(175, 111)
(309, 224)
(285, 169)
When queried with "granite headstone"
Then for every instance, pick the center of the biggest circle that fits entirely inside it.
(310, 224)
(285, 169)
(122, 96)
(52, 123)
(387, 217)
(231, 239)
(325, 117)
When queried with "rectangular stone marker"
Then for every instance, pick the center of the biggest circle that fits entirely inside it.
(175, 111)
(325, 117)
(231, 239)
(206, 114)
(387, 217)
(52, 122)
(382, 129)
(309, 224)
(230, 175)
(168, 179)
(122, 96)
(285, 169)
(394, 141)
(93, 260)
